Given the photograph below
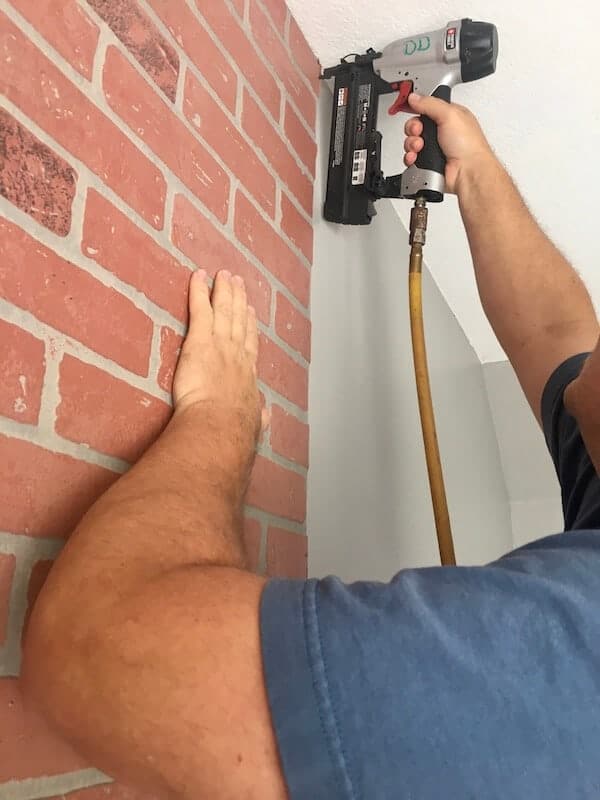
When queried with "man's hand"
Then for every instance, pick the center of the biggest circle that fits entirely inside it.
(460, 137)
(217, 366)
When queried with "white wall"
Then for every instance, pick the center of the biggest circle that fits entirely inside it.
(369, 510)
(531, 482)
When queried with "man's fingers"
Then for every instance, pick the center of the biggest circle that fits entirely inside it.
(414, 127)
(433, 107)
(240, 310)
(201, 313)
(410, 158)
(222, 303)
(252, 333)
(413, 144)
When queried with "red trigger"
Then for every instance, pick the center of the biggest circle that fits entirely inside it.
(400, 103)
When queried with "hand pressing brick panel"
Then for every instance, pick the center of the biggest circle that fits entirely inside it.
(34, 178)
(143, 39)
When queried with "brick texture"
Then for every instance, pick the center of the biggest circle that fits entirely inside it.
(34, 178)
(139, 140)
(145, 113)
(170, 347)
(44, 493)
(141, 37)
(36, 279)
(266, 244)
(41, 91)
(289, 436)
(287, 554)
(22, 365)
(292, 326)
(66, 26)
(194, 38)
(7, 570)
(105, 413)
(118, 245)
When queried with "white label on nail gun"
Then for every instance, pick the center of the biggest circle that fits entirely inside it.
(359, 167)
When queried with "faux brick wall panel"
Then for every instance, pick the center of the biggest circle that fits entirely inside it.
(139, 140)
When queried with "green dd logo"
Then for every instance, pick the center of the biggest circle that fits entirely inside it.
(421, 45)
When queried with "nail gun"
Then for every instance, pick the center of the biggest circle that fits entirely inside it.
(430, 64)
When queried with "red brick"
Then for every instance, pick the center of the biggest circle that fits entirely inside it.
(267, 245)
(282, 373)
(231, 34)
(252, 537)
(297, 228)
(277, 152)
(7, 571)
(278, 12)
(42, 92)
(206, 246)
(66, 27)
(44, 493)
(170, 348)
(143, 40)
(302, 141)
(289, 436)
(34, 178)
(275, 52)
(142, 109)
(106, 791)
(239, 6)
(106, 413)
(292, 326)
(56, 292)
(117, 244)
(22, 366)
(39, 573)
(222, 135)
(304, 56)
(277, 490)
(287, 554)
(28, 747)
(194, 39)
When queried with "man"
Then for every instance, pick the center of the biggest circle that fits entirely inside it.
(170, 666)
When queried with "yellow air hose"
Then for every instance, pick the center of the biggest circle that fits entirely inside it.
(418, 228)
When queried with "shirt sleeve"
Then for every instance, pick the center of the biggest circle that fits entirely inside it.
(474, 682)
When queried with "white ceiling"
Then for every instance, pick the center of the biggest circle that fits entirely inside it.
(541, 111)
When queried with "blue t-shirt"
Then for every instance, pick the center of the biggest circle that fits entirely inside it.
(465, 682)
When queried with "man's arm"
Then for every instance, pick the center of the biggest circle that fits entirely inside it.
(144, 647)
(536, 303)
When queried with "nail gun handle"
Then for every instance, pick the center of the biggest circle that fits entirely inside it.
(431, 156)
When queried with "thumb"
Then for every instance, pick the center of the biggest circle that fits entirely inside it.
(438, 110)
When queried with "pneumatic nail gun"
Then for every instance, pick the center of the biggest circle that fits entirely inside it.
(429, 64)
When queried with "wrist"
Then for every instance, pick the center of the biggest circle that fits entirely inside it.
(481, 168)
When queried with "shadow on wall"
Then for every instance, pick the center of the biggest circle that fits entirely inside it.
(369, 506)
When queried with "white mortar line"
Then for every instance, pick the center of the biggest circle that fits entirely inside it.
(57, 785)
(27, 550)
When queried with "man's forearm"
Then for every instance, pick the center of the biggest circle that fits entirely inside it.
(535, 301)
(179, 505)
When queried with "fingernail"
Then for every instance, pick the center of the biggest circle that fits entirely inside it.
(414, 96)
(200, 274)
(252, 310)
(238, 280)
(226, 274)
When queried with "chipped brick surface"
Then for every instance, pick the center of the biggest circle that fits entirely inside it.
(22, 365)
(170, 348)
(143, 40)
(34, 178)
